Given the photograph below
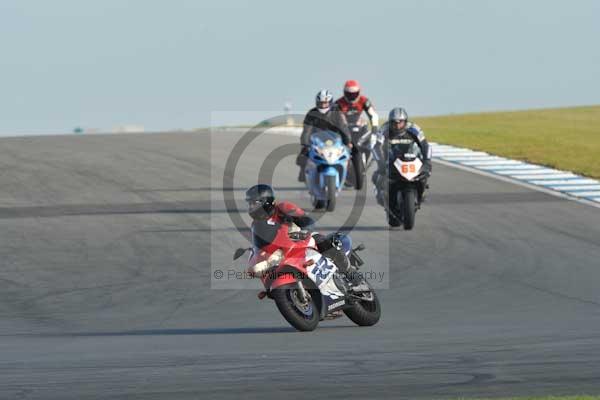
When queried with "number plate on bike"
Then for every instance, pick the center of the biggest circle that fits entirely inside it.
(321, 271)
(408, 169)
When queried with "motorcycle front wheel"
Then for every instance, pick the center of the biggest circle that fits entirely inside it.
(301, 314)
(331, 192)
(359, 171)
(409, 208)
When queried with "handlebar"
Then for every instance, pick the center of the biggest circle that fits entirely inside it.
(299, 235)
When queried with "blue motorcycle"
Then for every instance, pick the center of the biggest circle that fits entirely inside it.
(326, 168)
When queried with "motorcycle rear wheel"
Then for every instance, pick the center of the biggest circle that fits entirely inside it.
(364, 312)
(318, 204)
(304, 316)
(359, 172)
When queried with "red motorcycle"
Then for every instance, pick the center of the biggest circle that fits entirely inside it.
(305, 285)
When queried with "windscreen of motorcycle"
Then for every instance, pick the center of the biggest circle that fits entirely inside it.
(401, 147)
(326, 138)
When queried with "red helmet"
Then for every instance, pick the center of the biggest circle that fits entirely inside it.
(351, 90)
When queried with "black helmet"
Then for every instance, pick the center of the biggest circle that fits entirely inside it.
(261, 201)
(398, 118)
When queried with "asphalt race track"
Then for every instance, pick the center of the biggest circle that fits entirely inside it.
(107, 245)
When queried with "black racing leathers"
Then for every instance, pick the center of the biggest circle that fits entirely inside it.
(380, 151)
(288, 213)
(333, 120)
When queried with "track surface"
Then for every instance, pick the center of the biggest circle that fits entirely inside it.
(106, 244)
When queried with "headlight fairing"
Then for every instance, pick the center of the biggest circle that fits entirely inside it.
(331, 154)
(275, 258)
(260, 268)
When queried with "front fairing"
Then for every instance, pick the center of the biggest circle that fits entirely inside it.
(328, 156)
(294, 252)
(302, 260)
(327, 148)
(404, 153)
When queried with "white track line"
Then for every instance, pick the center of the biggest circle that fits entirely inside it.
(521, 167)
(461, 154)
(532, 171)
(594, 203)
(495, 164)
(583, 181)
(574, 188)
(595, 193)
(563, 184)
(565, 175)
(474, 158)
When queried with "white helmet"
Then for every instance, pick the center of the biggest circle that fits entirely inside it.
(323, 101)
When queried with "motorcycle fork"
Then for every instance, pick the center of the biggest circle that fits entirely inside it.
(302, 291)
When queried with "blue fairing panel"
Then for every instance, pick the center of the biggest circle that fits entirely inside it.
(346, 243)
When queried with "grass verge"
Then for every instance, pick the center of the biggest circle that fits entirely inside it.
(563, 138)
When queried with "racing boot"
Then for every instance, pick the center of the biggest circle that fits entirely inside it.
(350, 273)
(301, 162)
(375, 177)
(423, 185)
(356, 280)
(349, 182)
(377, 180)
(379, 197)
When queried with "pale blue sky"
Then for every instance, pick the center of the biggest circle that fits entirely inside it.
(168, 64)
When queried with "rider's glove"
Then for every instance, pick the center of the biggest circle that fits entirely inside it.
(427, 169)
(336, 243)
(362, 140)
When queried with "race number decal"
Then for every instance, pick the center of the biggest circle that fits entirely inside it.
(408, 169)
(321, 271)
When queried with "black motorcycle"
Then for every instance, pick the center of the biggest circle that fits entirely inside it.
(399, 191)
(361, 138)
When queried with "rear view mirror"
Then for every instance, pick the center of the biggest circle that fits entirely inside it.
(240, 252)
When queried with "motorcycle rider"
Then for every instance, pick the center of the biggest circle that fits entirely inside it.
(352, 104)
(324, 116)
(268, 215)
(398, 126)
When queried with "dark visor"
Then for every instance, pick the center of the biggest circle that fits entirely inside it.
(351, 95)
